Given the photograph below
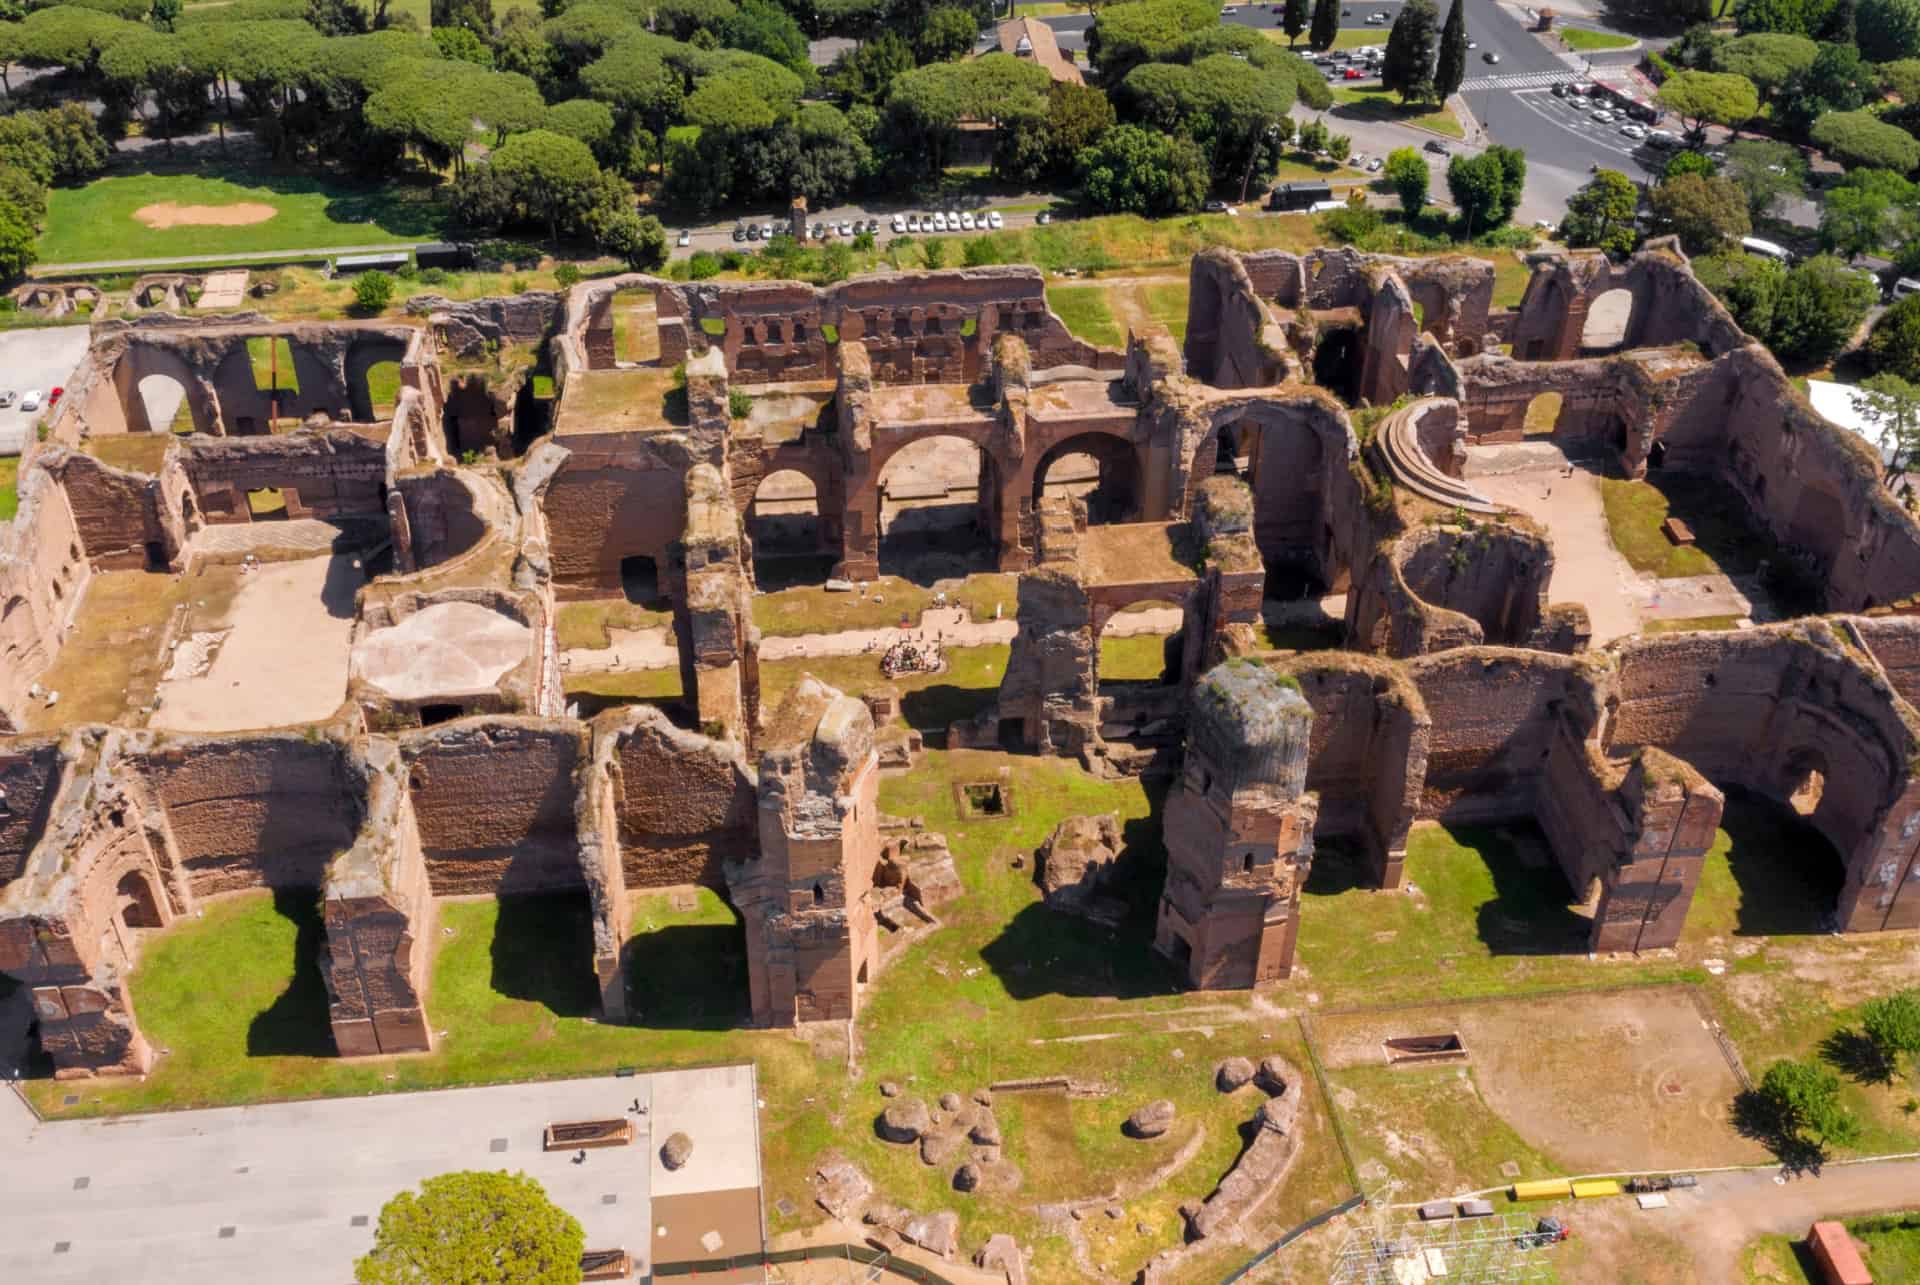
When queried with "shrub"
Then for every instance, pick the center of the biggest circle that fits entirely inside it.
(435, 276)
(703, 264)
(567, 275)
(372, 292)
(739, 405)
(1895, 343)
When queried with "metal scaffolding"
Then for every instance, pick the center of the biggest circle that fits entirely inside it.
(1456, 1251)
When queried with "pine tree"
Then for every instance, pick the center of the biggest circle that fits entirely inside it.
(1294, 20)
(1452, 68)
(1326, 25)
(1407, 68)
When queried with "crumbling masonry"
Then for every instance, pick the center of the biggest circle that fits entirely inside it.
(1230, 471)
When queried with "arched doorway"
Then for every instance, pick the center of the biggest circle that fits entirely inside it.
(1608, 318)
(783, 521)
(373, 377)
(1098, 469)
(939, 500)
(165, 401)
(136, 905)
(1336, 361)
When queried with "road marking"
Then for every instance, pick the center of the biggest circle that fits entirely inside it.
(1594, 133)
(1518, 80)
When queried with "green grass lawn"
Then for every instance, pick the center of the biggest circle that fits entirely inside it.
(1138, 658)
(812, 609)
(1086, 313)
(928, 702)
(1349, 38)
(1582, 39)
(585, 624)
(1381, 105)
(96, 222)
(1690, 624)
(1723, 540)
(9, 487)
(1167, 304)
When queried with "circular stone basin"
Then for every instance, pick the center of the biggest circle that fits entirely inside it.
(444, 649)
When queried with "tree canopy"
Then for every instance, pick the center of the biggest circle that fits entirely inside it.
(1601, 214)
(474, 1228)
(1703, 97)
(1407, 67)
(1861, 138)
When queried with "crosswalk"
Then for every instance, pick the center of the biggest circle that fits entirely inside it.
(1519, 80)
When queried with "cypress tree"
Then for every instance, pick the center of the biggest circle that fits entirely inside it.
(1452, 69)
(1407, 68)
(1294, 19)
(1326, 25)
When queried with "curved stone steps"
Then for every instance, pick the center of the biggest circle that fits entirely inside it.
(1407, 464)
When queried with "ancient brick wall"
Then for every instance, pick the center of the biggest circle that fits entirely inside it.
(1894, 642)
(43, 575)
(494, 801)
(609, 502)
(1443, 586)
(30, 776)
(252, 810)
(327, 473)
(683, 804)
(1492, 726)
(443, 520)
(115, 512)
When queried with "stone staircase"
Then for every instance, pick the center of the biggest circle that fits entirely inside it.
(1398, 440)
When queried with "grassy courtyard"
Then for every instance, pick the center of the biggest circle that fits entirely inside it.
(98, 221)
(1723, 540)
(1086, 313)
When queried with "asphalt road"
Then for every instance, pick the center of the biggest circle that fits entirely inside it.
(40, 360)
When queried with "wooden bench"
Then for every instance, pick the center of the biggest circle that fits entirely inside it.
(1677, 531)
(605, 1265)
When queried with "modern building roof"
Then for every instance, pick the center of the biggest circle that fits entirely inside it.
(1031, 38)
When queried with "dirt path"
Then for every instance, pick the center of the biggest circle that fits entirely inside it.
(654, 648)
(1586, 568)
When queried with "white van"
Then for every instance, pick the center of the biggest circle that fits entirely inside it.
(1765, 249)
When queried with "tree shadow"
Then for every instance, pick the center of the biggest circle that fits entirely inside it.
(1041, 951)
(688, 977)
(1788, 874)
(298, 1023)
(1852, 1053)
(1754, 1116)
(933, 709)
(1531, 912)
(543, 951)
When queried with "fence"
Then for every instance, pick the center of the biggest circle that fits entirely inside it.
(865, 1255)
(1325, 1215)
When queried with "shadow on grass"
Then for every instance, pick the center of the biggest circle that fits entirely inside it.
(1044, 952)
(1853, 1054)
(932, 709)
(1338, 866)
(1754, 1116)
(297, 1023)
(1788, 874)
(1530, 913)
(543, 952)
(689, 977)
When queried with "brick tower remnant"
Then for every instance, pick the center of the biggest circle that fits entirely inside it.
(808, 900)
(1239, 830)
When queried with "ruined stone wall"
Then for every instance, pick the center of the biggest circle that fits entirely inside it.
(1894, 642)
(444, 519)
(118, 514)
(1668, 306)
(683, 803)
(1492, 711)
(44, 573)
(255, 809)
(332, 472)
(30, 774)
(1367, 761)
(494, 801)
(1772, 708)
(1442, 586)
(614, 498)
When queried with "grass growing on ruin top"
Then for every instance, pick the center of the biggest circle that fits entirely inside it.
(585, 624)
(1086, 314)
(9, 487)
(96, 223)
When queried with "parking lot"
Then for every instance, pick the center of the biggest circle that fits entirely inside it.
(34, 360)
(902, 224)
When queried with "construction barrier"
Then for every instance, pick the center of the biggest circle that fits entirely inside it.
(1596, 1187)
(863, 1254)
(1545, 1189)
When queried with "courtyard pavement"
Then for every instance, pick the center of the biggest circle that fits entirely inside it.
(291, 1192)
(35, 359)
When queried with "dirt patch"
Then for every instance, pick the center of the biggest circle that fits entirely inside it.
(171, 214)
(1601, 1082)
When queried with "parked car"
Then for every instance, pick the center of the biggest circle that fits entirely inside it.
(996, 222)
(1437, 147)
(899, 224)
(1662, 138)
(7, 397)
(1473, 44)
(1901, 289)
(53, 397)
(753, 232)
(966, 220)
(30, 400)
(768, 231)
(1374, 164)
(1354, 73)
(739, 233)
(1044, 217)
(686, 237)
(1376, 19)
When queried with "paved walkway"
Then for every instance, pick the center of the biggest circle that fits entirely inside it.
(1533, 478)
(251, 256)
(289, 1192)
(654, 648)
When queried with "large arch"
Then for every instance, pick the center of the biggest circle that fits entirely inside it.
(1608, 321)
(142, 362)
(926, 505)
(363, 355)
(1103, 470)
(787, 530)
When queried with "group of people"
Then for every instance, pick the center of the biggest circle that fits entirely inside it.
(914, 654)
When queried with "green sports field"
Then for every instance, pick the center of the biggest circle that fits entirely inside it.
(96, 222)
